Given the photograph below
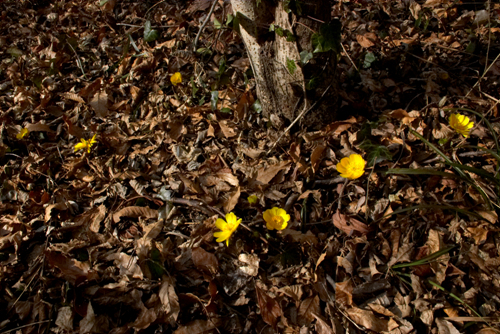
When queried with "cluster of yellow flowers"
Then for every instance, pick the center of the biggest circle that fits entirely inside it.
(275, 218)
(351, 167)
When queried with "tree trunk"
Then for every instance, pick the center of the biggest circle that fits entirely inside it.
(281, 79)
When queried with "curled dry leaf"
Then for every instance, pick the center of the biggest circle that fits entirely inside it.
(307, 309)
(38, 127)
(169, 300)
(343, 292)
(321, 326)
(135, 212)
(349, 224)
(69, 269)
(266, 174)
(100, 104)
(88, 322)
(199, 326)
(270, 310)
(205, 261)
(251, 262)
(368, 320)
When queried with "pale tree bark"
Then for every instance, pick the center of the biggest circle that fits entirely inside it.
(280, 79)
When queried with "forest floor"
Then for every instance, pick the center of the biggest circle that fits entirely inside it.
(117, 237)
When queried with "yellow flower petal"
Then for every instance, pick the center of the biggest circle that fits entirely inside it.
(351, 167)
(176, 78)
(276, 218)
(220, 224)
(252, 199)
(226, 227)
(23, 133)
(461, 124)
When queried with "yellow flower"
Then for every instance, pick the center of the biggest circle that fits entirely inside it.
(276, 218)
(252, 199)
(352, 167)
(226, 227)
(176, 78)
(85, 144)
(461, 124)
(23, 133)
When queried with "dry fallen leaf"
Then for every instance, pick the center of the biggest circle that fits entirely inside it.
(270, 310)
(368, 320)
(343, 292)
(135, 212)
(100, 104)
(348, 224)
(308, 307)
(198, 326)
(205, 261)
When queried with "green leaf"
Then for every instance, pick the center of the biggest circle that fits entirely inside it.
(369, 59)
(375, 153)
(328, 38)
(14, 52)
(312, 84)
(217, 24)
(305, 56)
(279, 31)
(150, 35)
(290, 65)
(229, 19)
(204, 51)
(214, 98)
(257, 107)
(103, 2)
(226, 110)
(290, 36)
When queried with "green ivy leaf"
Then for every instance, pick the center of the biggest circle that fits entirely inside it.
(257, 107)
(305, 56)
(217, 24)
(290, 65)
(150, 35)
(369, 59)
(328, 38)
(375, 153)
(312, 84)
(214, 99)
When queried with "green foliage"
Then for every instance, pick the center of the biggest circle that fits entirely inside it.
(305, 56)
(328, 38)
(369, 59)
(217, 24)
(150, 35)
(214, 98)
(291, 66)
(375, 153)
(312, 84)
(293, 6)
(257, 107)
(290, 37)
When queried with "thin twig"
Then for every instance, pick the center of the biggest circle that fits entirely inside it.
(195, 44)
(78, 61)
(304, 111)
(139, 26)
(347, 54)
(24, 326)
(341, 192)
(482, 76)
